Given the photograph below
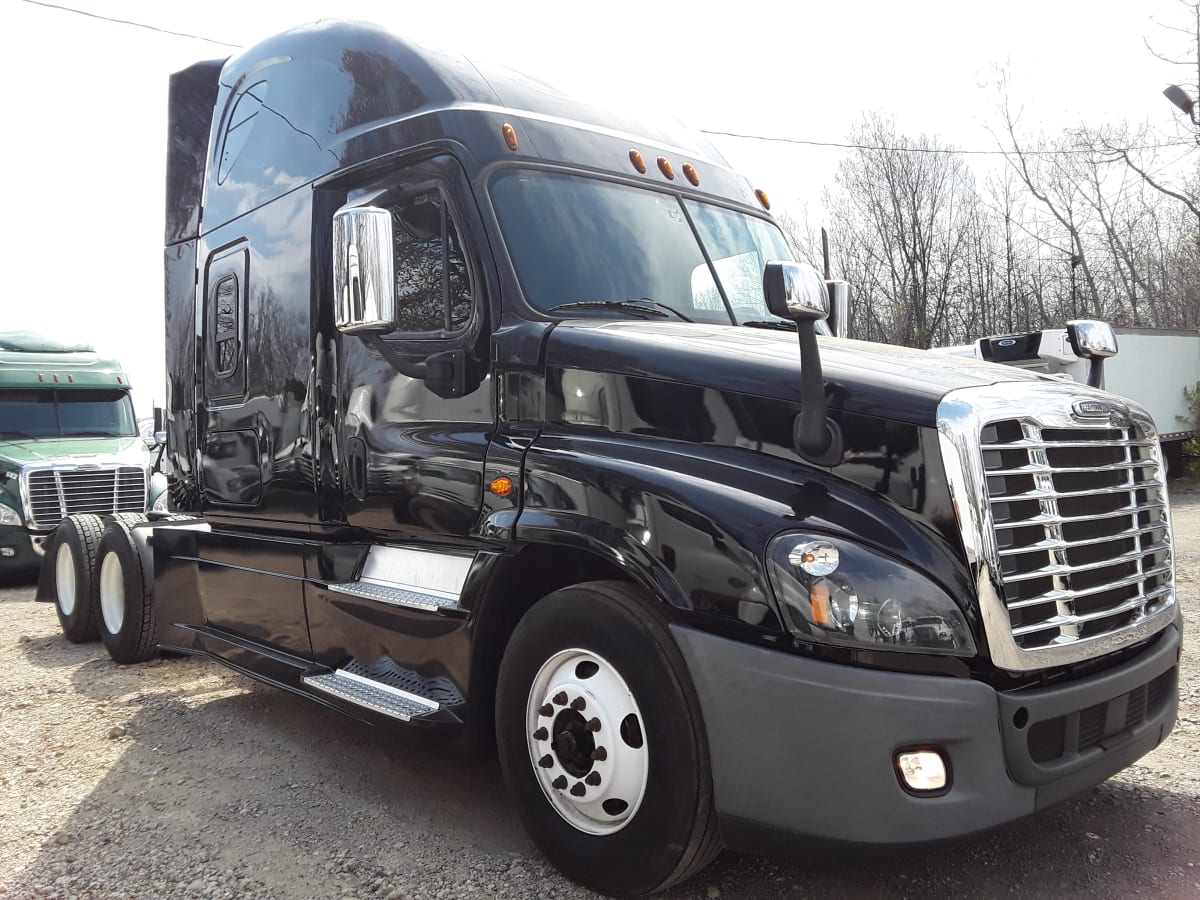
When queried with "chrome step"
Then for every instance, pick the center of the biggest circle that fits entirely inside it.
(373, 695)
(398, 596)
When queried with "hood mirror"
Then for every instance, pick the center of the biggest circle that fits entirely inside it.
(795, 291)
(1094, 341)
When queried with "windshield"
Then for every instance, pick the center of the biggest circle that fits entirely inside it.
(33, 413)
(579, 240)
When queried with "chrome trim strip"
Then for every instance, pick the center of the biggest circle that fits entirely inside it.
(961, 418)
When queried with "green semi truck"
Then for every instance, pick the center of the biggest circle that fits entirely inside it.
(69, 443)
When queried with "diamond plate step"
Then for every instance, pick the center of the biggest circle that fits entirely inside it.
(398, 596)
(370, 694)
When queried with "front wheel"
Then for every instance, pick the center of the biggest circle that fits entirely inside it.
(602, 743)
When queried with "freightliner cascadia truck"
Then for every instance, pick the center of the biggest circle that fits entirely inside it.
(513, 420)
(69, 443)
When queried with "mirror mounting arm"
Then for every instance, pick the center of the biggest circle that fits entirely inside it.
(816, 437)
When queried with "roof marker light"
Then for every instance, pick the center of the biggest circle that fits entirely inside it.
(692, 175)
(510, 137)
(41, 377)
(762, 198)
(638, 161)
(56, 379)
(120, 380)
(71, 378)
(664, 166)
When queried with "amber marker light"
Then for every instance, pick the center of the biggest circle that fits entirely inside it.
(664, 166)
(56, 379)
(510, 136)
(762, 198)
(639, 161)
(691, 174)
(501, 486)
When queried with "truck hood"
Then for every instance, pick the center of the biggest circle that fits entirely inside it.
(130, 450)
(878, 380)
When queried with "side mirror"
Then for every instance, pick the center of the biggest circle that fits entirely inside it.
(795, 291)
(364, 287)
(1094, 341)
(839, 307)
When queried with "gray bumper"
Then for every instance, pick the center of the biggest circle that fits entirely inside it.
(806, 748)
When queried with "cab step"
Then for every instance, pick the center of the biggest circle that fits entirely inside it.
(412, 578)
(389, 689)
(399, 596)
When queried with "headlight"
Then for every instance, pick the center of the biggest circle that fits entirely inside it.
(160, 503)
(837, 592)
(9, 516)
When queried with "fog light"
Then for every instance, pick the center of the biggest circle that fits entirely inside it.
(8, 552)
(922, 770)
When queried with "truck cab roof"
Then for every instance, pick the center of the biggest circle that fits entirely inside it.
(333, 95)
(29, 359)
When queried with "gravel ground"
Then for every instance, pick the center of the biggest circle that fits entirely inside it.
(178, 778)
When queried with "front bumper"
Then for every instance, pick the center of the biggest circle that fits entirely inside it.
(17, 550)
(802, 748)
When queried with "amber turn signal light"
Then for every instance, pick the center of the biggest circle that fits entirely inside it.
(501, 486)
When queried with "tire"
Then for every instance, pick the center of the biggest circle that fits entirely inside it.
(605, 646)
(76, 585)
(128, 626)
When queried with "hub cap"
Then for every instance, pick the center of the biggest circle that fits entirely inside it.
(112, 593)
(587, 741)
(64, 578)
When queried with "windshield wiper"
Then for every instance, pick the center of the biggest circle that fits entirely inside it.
(95, 434)
(640, 304)
(11, 435)
(778, 324)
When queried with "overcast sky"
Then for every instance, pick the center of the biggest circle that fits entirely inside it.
(85, 99)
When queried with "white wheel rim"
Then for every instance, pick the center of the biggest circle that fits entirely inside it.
(64, 578)
(112, 593)
(587, 742)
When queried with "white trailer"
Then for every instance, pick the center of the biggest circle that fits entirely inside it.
(1154, 366)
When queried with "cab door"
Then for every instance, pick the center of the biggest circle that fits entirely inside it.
(416, 407)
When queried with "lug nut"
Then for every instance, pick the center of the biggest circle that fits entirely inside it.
(593, 778)
(541, 734)
(559, 783)
(592, 724)
(600, 754)
(578, 704)
(546, 761)
(546, 710)
(561, 698)
(578, 790)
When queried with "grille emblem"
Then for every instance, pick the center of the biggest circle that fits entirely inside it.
(1092, 409)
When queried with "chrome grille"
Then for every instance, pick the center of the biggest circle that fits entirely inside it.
(53, 494)
(1081, 532)
(1064, 519)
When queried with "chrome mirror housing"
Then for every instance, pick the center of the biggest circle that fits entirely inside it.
(1092, 339)
(795, 291)
(364, 285)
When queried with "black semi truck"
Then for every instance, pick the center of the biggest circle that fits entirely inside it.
(513, 420)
